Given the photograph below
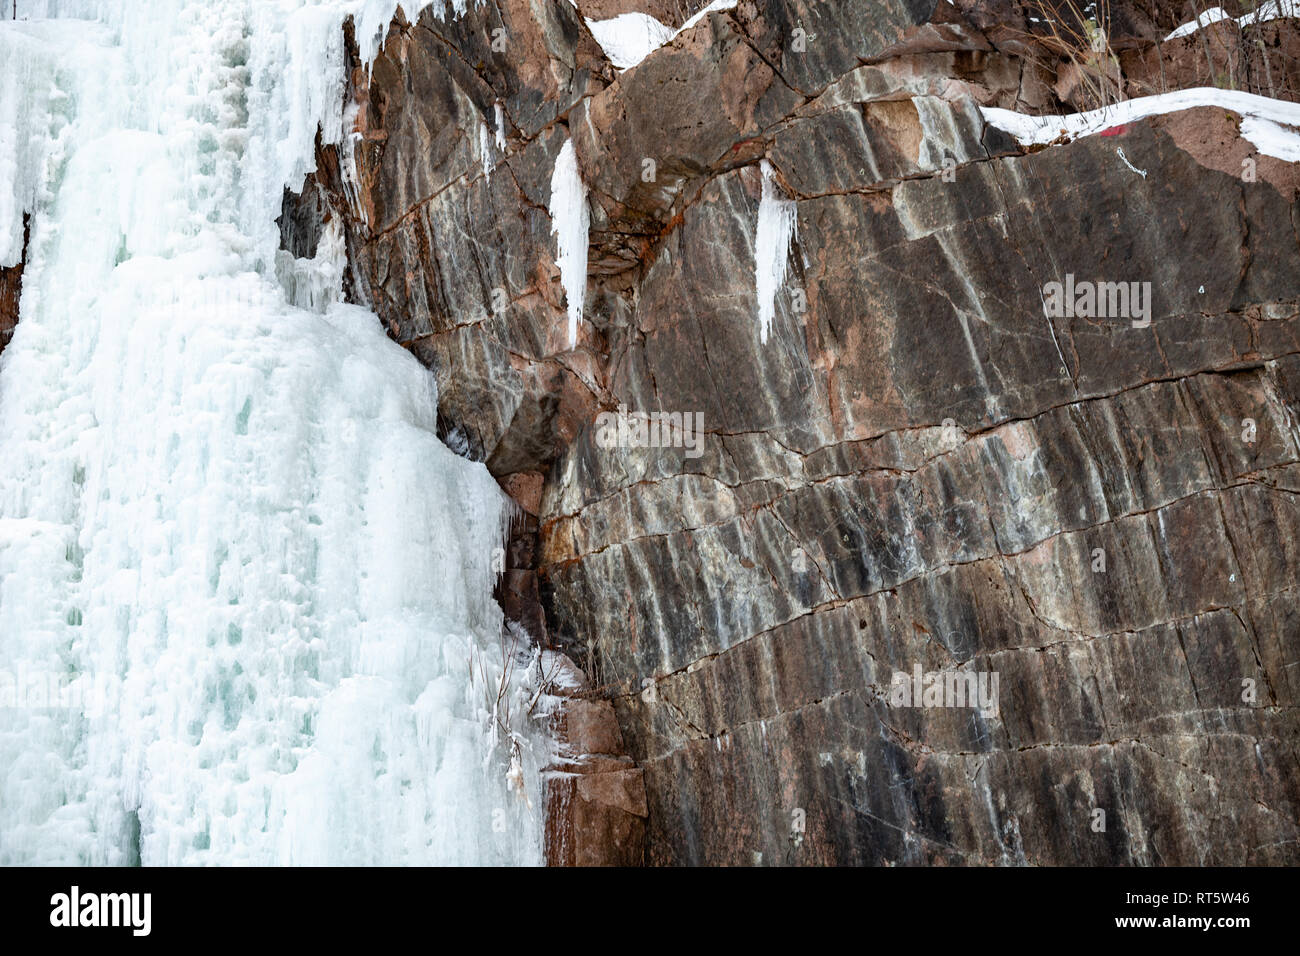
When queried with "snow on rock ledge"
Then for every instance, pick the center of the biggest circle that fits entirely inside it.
(1272, 126)
(1273, 10)
(629, 38)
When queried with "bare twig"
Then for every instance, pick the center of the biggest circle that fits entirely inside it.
(1084, 41)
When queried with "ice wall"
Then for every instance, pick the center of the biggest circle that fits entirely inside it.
(245, 592)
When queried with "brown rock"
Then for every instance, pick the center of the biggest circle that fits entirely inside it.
(11, 288)
(920, 468)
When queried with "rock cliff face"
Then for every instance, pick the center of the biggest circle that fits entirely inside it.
(922, 469)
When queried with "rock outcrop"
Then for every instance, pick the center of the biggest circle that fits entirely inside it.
(921, 470)
(11, 289)
(595, 794)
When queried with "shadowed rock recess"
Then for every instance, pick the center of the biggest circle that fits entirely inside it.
(11, 288)
(919, 469)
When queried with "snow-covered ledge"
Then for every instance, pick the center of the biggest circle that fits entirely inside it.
(1272, 126)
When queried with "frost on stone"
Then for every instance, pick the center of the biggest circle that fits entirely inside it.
(1213, 15)
(570, 222)
(629, 38)
(717, 6)
(773, 236)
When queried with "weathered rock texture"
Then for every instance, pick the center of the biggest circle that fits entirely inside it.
(595, 794)
(11, 288)
(918, 468)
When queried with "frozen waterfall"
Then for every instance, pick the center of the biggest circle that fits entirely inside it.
(246, 606)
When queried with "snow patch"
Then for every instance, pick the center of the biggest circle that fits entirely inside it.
(629, 38)
(717, 6)
(1271, 138)
(1272, 10)
(1272, 126)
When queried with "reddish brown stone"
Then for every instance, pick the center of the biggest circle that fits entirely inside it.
(918, 468)
(11, 287)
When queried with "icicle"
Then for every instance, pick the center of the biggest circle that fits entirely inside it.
(485, 150)
(776, 230)
(347, 149)
(500, 112)
(570, 222)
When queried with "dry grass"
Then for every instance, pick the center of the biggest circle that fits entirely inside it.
(1075, 37)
